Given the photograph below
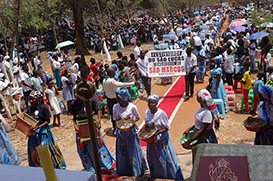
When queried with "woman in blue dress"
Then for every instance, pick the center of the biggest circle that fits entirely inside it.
(218, 90)
(41, 133)
(84, 148)
(161, 156)
(265, 112)
(8, 154)
(129, 155)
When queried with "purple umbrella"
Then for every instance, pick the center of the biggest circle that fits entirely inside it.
(239, 28)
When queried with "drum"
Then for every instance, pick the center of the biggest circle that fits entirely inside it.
(148, 135)
(125, 125)
(24, 123)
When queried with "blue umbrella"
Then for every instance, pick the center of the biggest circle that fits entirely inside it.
(258, 35)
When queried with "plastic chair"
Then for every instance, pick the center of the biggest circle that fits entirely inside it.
(257, 62)
(104, 110)
(232, 101)
(235, 87)
(250, 100)
(62, 106)
(134, 93)
(228, 87)
(221, 107)
(231, 92)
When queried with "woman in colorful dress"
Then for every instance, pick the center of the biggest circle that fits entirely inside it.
(218, 90)
(8, 154)
(84, 148)
(265, 112)
(129, 155)
(205, 117)
(41, 133)
(161, 156)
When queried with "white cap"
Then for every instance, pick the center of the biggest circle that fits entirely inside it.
(1, 75)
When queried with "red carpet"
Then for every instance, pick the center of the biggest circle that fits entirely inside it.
(171, 100)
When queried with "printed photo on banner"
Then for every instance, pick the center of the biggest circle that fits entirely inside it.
(166, 63)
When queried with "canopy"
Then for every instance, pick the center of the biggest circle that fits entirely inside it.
(64, 44)
(258, 35)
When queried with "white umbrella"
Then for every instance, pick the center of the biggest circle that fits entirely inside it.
(267, 25)
(64, 44)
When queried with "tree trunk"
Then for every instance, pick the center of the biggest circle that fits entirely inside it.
(17, 12)
(79, 29)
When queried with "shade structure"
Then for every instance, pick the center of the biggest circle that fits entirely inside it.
(258, 35)
(239, 28)
(64, 44)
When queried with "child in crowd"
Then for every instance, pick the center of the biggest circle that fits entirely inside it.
(247, 82)
(256, 85)
(51, 95)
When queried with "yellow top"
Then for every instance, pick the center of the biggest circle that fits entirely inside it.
(248, 81)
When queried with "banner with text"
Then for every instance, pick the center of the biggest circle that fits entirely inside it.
(166, 63)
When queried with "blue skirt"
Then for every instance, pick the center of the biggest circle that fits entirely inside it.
(8, 154)
(220, 93)
(264, 138)
(58, 77)
(208, 136)
(45, 137)
(129, 155)
(67, 94)
(162, 159)
(85, 152)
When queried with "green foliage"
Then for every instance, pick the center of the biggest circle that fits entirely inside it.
(258, 17)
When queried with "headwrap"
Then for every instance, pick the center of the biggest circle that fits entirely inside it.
(153, 97)
(123, 93)
(205, 99)
(267, 93)
(114, 66)
(218, 59)
(36, 95)
(267, 105)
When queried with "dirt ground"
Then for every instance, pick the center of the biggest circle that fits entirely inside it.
(231, 131)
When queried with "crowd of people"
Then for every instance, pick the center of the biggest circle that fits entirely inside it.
(224, 55)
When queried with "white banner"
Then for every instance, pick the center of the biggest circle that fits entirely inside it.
(166, 63)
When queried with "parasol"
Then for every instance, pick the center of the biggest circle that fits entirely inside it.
(64, 44)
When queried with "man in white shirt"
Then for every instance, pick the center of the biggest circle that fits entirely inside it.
(142, 65)
(110, 85)
(229, 66)
(137, 50)
(191, 68)
(26, 85)
(5, 85)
